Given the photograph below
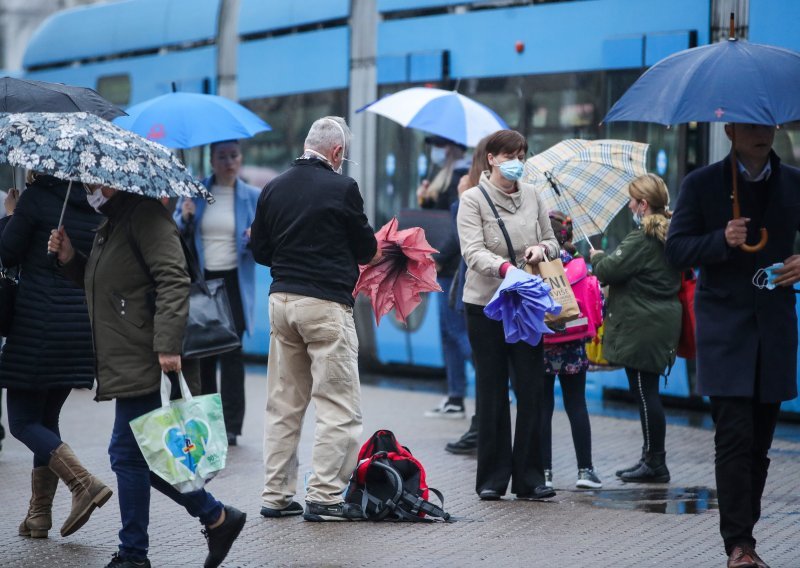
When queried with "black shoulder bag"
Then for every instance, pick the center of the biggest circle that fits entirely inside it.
(511, 255)
(210, 329)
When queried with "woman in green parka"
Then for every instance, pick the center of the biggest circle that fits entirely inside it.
(643, 320)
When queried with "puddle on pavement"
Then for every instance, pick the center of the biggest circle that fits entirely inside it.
(666, 500)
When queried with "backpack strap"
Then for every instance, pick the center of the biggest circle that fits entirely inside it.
(502, 225)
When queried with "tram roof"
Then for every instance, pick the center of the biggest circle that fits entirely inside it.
(136, 26)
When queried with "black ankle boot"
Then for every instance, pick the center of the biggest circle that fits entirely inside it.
(634, 467)
(653, 470)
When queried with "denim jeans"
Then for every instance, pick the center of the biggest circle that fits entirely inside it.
(455, 342)
(134, 480)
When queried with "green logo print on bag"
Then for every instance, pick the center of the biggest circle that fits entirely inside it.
(189, 446)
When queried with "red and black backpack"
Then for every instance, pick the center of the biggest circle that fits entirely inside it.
(389, 483)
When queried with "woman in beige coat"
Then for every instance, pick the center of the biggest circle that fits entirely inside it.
(488, 258)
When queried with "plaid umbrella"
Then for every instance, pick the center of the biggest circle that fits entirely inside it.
(587, 179)
(83, 147)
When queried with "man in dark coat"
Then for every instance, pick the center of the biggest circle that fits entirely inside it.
(746, 333)
(310, 229)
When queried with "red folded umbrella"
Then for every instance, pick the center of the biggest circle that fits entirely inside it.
(405, 270)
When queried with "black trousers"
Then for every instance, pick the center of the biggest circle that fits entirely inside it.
(743, 436)
(231, 364)
(573, 391)
(500, 458)
(644, 386)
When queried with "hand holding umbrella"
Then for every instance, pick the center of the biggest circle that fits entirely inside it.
(732, 81)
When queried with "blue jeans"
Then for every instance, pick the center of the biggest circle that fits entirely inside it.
(134, 480)
(455, 343)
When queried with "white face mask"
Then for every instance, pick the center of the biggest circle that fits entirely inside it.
(438, 155)
(96, 199)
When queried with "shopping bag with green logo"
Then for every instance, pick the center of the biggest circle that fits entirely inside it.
(184, 442)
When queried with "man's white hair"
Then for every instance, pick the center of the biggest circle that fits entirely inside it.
(326, 133)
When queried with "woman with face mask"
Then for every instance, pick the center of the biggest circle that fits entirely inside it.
(489, 256)
(447, 165)
(643, 320)
(220, 233)
(48, 351)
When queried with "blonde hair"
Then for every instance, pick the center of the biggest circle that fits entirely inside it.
(652, 189)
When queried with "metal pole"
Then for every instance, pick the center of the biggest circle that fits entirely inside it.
(227, 48)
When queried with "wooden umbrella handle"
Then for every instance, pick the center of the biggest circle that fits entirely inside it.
(735, 195)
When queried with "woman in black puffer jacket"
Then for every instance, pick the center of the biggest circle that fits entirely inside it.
(48, 351)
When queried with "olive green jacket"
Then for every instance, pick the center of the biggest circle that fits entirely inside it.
(643, 319)
(128, 330)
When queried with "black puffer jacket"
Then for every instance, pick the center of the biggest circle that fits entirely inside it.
(50, 342)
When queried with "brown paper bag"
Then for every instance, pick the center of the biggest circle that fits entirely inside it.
(552, 272)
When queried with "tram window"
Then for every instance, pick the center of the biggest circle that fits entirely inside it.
(115, 88)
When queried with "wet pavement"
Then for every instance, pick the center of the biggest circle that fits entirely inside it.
(619, 525)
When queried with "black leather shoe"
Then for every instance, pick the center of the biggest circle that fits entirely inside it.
(541, 492)
(220, 539)
(118, 561)
(231, 439)
(489, 495)
(467, 444)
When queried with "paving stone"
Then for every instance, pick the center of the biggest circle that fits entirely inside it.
(576, 529)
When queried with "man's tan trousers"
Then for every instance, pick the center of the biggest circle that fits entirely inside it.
(313, 355)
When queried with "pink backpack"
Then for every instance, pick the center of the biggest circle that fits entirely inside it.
(587, 292)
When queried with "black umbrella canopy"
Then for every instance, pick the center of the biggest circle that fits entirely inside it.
(27, 95)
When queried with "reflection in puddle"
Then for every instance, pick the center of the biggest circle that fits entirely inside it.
(667, 500)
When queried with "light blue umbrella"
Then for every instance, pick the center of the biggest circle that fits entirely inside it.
(185, 120)
(444, 113)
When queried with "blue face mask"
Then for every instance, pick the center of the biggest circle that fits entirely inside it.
(765, 277)
(511, 169)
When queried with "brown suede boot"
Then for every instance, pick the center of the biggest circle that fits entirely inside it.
(88, 492)
(43, 488)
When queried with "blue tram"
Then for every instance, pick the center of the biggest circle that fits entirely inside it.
(550, 68)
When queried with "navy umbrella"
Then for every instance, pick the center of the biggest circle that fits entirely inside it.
(730, 81)
(27, 95)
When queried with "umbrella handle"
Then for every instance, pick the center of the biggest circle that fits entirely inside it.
(758, 246)
(735, 195)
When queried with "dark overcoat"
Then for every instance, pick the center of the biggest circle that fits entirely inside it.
(50, 341)
(746, 337)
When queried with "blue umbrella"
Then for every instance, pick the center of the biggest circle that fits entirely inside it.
(521, 303)
(730, 81)
(184, 120)
(444, 113)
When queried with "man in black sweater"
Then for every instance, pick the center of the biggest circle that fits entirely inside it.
(311, 230)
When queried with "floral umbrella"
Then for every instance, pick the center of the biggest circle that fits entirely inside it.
(83, 147)
(405, 270)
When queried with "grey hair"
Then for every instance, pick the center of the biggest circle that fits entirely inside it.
(324, 134)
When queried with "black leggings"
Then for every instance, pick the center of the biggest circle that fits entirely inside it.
(644, 386)
(33, 420)
(573, 390)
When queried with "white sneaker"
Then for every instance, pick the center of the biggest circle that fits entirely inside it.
(548, 478)
(587, 479)
(446, 410)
